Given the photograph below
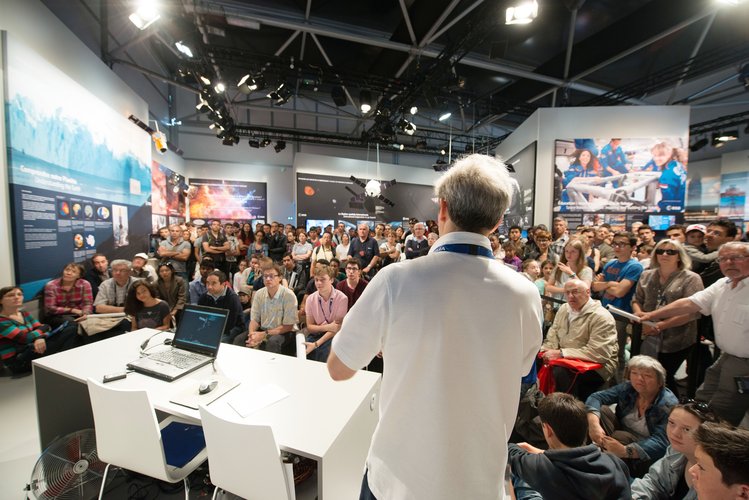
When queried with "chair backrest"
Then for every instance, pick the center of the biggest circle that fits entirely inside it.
(244, 459)
(127, 432)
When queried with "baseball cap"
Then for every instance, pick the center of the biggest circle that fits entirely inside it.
(697, 227)
(141, 255)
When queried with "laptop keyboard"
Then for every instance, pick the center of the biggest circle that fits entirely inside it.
(180, 359)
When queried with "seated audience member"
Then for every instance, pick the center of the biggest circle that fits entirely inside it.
(582, 330)
(112, 295)
(669, 477)
(68, 298)
(145, 308)
(568, 469)
(418, 246)
(236, 278)
(98, 273)
(176, 250)
(636, 433)
(23, 338)
(272, 317)
(722, 468)
(265, 263)
(324, 310)
(222, 297)
(296, 278)
(141, 269)
(726, 301)
(353, 286)
(668, 279)
(244, 299)
(335, 267)
(172, 289)
(249, 275)
(197, 288)
(510, 259)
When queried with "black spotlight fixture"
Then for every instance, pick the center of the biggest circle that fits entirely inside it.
(365, 100)
(698, 144)
(338, 95)
(280, 146)
(265, 142)
(254, 143)
(247, 84)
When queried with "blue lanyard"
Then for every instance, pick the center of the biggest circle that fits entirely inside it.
(477, 250)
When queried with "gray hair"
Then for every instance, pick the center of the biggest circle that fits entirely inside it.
(647, 363)
(685, 261)
(736, 245)
(121, 262)
(477, 190)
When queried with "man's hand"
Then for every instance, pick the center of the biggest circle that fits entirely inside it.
(40, 345)
(530, 448)
(333, 327)
(551, 355)
(595, 431)
(614, 447)
(254, 339)
(310, 346)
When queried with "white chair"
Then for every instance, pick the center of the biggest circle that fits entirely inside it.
(244, 459)
(301, 349)
(129, 436)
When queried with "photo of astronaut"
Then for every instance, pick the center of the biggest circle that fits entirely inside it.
(620, 175)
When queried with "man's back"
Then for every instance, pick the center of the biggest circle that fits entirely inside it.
(453, 368)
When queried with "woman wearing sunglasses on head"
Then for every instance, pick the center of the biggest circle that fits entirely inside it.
(669, 478)
(667, 280)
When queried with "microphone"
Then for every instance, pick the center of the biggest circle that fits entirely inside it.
(145, 342)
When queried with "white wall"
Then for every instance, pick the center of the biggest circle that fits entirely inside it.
(737, 161)
(31, 23)
(548, 124)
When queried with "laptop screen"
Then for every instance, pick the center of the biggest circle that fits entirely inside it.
(200, 329)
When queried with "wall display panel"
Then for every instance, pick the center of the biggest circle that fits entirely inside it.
(227, 200)
(620, 178)
(520, 212)
(326, 197)
(703, 193)
(79, 172)
(734, 204)
(167, 203)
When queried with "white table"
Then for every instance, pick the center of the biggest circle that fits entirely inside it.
(331, 422)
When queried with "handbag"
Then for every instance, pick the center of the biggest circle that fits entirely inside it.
(546, 383)
(97, 323)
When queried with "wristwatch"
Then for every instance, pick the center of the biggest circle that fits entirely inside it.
(630, 451)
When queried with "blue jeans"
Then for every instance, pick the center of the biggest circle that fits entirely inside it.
(366, 493)
(321, 352)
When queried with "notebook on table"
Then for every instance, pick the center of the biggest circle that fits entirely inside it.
(195, 344)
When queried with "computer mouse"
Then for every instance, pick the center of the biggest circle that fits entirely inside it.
(207, 386)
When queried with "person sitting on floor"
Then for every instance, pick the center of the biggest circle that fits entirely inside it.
(722, 468)
(22, 337)
(568, 469)
(582, 330)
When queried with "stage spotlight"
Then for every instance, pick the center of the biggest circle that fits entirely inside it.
(220, 87)
(365, 100)
(254, 143)
(205, 80)
(443, 152)
(247, 84)
(280, 146)
(146, 15)
(265, 142)
(280, 96)
(414, 110)
(698, 144)
(183, 48)
(522, 13)
(728, 135)
(444, 116)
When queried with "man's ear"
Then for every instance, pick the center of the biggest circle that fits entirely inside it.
(548, 431)
(743, 491)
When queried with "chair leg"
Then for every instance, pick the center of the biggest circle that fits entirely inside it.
(187, 489)
(215, 493)
(103, 481)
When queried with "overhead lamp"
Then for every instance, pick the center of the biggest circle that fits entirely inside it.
(205, 80)
(280, 96)
(522, 13)
(443, 152)
(203, 106)
(280, 146)
(414, 110)
(265, 142)
(145, 15)
(444, 116)
(410, 128)
(254, 143)
(698, 144)
(727, 136)
(247, 84)
(220, 87)
(183, 48)
(399, 147)
(365, 100)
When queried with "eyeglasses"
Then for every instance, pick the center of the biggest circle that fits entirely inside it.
(734, 258)
(618, 244)
(269, 276)
(669, 251)
(352, 269)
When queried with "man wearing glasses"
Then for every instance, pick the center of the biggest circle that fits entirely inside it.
(617, 284)
(273, 316)
(353, 286)
(727, 300)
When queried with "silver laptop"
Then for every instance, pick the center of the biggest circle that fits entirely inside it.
(195, 344)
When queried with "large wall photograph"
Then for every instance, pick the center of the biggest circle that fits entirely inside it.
(620, 176)
(167, 198)
(79, 172)
(227, 200)
(330, 199)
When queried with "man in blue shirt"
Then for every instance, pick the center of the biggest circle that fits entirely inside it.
(617, 284)
(365, 249)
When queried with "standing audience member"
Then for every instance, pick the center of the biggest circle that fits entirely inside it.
(233, 252)
(510, 259)
(68, 298)
(448, 456)
(325, 310)
(617, 283)
(259, 247)
(215, 245)
(324, 250)
(141, 269)
(341, 249)
(560, 235)
(176, 251)
(726, 300)
(668, 280)
(418, 245)
(276, 243)
(98, 273)
(366, 250)
(722, 468)
(390, 251)
(601, 242)
(145, 308)
(636, 433)
(22, 337)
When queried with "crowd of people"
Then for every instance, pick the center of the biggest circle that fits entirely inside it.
(689, 292)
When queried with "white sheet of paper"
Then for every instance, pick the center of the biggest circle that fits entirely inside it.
(245, 403)
(628, 315)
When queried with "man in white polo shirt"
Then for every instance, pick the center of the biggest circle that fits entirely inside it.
(455, 348)
(727, 300)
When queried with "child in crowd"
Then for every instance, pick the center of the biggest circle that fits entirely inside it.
(531, 269)
(510, 259)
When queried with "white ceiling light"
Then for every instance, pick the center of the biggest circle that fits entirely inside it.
(522, 13)
(444, 116)
(145, 15)
(184, 49)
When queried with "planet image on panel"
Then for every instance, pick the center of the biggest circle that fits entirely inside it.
(88, 211)
(309, 191)
(64, 209)
(90, 241)
(76, 209)
(103, 213)
(78, 240)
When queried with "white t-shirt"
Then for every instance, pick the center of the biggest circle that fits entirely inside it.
(729, 308)
(455, 347)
